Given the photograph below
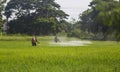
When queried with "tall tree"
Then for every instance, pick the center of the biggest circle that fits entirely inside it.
(104, 15)
(108, 14)
(34, 16)
(2, 2)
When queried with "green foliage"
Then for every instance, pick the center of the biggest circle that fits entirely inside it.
(74, 33)
(1, 22)
(2, 5)
(2, 2)
(104, 16)
(34, 16)
(19, 56)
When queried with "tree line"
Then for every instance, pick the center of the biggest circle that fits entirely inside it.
(44, 17)
(101, 21)
(34, 17)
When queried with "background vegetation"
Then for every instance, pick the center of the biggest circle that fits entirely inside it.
(44, 17)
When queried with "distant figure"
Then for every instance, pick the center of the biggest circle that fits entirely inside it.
(34, 41)
(56, 39)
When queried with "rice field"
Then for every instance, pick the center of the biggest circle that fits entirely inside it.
(18, 55)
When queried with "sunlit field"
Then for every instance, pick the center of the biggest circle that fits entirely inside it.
(18, 55)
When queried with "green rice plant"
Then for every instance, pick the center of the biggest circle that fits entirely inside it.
(18, 55)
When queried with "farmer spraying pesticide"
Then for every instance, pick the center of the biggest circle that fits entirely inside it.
(56, 39)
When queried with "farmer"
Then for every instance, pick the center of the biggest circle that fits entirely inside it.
(56, 39)
(34, 41)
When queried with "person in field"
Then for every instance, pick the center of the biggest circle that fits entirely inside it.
(56, 39)
(34, 41)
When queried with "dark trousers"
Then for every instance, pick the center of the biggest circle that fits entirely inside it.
(33, 44)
